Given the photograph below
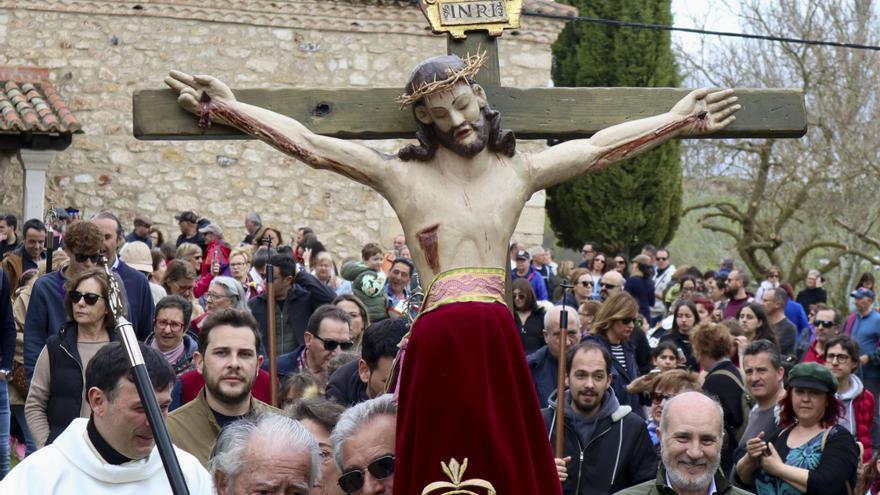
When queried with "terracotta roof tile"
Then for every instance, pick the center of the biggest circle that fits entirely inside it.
(548, 7)
(29, 103)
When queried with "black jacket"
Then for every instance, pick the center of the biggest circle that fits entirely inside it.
(345, 385)
(619, 454)
(544, 369)
(531, 332)
(303, 298)
(678, 340)
(66, 382)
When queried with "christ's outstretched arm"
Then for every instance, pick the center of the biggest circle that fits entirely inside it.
(703, 111)
(213, 101)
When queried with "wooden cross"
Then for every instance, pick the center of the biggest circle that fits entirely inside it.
(534, 113)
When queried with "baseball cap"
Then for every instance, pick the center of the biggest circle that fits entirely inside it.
(211, 228)
(862, 292)
(143, 219)
(522, 254)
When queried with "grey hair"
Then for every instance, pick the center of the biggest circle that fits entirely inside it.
(352, 419)
(233, 288)
(779, 295)
(664, 416)
(228, 454)
(814, 272)
(254, 217)
(574, 320)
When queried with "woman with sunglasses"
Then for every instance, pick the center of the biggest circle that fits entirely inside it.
(598, 266)
(57, 393)
(615, 323)
(666, 385)
(529, 316)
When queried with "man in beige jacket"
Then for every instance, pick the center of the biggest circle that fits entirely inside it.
(229, 360)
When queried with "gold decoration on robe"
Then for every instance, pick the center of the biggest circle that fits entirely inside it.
(455, 472)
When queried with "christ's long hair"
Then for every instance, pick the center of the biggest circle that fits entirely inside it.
(500, 140)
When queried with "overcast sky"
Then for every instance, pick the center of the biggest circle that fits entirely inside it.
(716, 15)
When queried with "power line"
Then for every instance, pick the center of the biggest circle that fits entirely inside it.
(643, 25)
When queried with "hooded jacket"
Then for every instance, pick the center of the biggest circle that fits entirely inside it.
(368, 285)
(70, 465)
(858, 414)
(303, 298)
(609, 452)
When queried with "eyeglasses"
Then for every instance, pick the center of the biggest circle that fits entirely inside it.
(586, 251)
(661, 258)
(90, 297)
(657, 398)
(353, 480)
(620, 262)
(773, 275)
(824, 323)
(586, 283)
(608, 286)
(174, 325)
(519, 296)
(213, 295)
(627, 321)
(841, 358)
(331, 345)
(94, 258)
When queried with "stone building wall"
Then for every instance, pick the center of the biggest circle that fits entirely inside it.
(99, 52)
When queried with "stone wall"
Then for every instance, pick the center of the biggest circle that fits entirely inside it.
(99, 52)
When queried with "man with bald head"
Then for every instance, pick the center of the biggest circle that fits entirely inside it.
(691, 435)
(544, 363)
(610, 283)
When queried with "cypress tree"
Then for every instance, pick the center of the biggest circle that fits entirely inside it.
(637, 201)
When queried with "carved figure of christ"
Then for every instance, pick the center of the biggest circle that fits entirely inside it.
(460, 207)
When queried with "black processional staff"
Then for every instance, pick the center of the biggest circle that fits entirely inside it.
(126, 335)
(49, 220)
(270, 326)
(560, 377)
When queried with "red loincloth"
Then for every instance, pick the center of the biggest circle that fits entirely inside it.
(465, 392)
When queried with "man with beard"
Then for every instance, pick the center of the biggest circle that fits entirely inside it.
(458, 221)
(691, 432)
(228, 358)
(607, 447)
(737, 282)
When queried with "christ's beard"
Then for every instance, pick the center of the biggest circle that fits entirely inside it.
(480, 130)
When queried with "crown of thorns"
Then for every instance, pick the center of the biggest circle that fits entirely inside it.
(472, 65)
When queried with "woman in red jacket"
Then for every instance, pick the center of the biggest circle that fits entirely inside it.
(842, 359)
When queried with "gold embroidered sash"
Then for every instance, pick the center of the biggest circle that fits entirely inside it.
(465, 285)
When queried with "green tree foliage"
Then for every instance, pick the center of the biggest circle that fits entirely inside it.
(637, 201)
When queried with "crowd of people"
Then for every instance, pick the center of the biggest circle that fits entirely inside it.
(676, 380)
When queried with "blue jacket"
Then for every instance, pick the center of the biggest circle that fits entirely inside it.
(46, 314)
(287, 363)
(796, 314)
(536, 281)
(7, 325)
(544, 368)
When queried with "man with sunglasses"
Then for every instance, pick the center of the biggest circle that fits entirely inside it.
(610, 283)
(228, 358)
(663, 272)
(83, 244)
(328, 333)
(827, 326)
(363, 445)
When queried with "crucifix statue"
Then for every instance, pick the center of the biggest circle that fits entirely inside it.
(464, 390)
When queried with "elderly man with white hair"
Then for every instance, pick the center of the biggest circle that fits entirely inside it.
(691, 435)
(544, 363)
(267, 453)
(363, 445)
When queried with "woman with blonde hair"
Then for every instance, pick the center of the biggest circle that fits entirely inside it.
(612, 328)
(191, 253)
(325, 271)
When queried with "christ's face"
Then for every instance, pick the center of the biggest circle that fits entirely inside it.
(457, 118)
